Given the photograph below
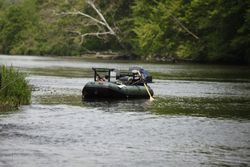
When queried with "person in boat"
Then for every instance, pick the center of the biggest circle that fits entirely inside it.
(146, 76)
(99, 78)
(135, 79)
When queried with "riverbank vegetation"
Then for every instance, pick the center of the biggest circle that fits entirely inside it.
(14, 89)
(196, 30)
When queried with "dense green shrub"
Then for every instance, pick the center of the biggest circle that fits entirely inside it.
(153, 30)
(14, 89)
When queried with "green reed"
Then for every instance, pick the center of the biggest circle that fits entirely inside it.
(14, 89)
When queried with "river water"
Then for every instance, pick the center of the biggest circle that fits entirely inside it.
(191, 122)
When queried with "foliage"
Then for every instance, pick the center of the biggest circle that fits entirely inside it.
(156, 34)
(20, 29)
(14, 89)
(149, 29)
(219, 25)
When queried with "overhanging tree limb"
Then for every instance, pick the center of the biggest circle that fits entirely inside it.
(102, 21)
(83, 14)
(97, 34)
(184, 27)
(101, 16)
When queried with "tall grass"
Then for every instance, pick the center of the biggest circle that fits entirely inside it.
(14, 89)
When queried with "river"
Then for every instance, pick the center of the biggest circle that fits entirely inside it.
(194, 121)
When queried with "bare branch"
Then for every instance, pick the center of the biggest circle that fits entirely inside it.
(101, 16)
(103, 21)
(184, 27)
(97, 34)
(102, 24)
(83, 14)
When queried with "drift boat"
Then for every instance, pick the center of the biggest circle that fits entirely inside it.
(103, 87)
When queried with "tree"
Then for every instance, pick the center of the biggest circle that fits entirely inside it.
(221, 27)
(158, 29)
(19, 27)
(94, 24)
(210, 31)
(205, 31)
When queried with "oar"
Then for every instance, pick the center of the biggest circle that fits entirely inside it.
(150, 96)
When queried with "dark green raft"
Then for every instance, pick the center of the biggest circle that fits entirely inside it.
(103, 88)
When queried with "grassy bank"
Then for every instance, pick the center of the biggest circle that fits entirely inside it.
(14, 89)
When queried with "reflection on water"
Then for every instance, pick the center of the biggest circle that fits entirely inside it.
(62, 135)
(191, 123)
(226, 107)
(200, 88)
(134, 105)
(49, 62)
(50, 85)
(201, 98)
(70, 67)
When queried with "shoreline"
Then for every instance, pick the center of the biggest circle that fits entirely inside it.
(123, 58)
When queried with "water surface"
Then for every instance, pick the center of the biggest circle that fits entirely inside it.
(191, 122)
